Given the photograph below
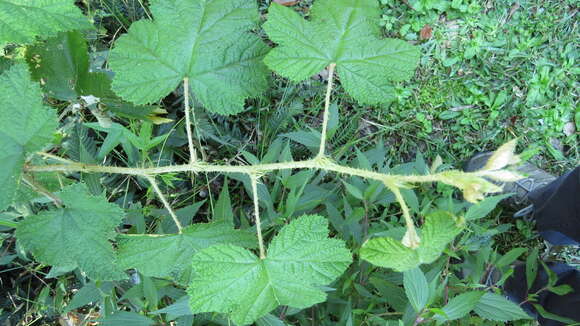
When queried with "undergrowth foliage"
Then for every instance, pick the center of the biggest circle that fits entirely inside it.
(209, 47)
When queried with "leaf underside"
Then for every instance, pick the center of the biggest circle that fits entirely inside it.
(207, 41)
(78, 234)
(439, 229)
(345, 32)
(21, 21)
(232, 280)
(26, 126)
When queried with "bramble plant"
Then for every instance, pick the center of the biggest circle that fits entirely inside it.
(209, 48)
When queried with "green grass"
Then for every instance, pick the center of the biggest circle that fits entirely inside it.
(489, 73)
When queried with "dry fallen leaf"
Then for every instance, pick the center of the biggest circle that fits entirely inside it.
(287, 3)
(426, 32)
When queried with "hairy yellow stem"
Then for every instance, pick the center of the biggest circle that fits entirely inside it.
(192, 153)
(326, 110)
(254, 179)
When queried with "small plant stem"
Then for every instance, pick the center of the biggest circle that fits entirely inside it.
(41, 190)
(411, 232)
(197, 136)
(200, 167)
(404, 207)
(192, 153)
(326, 110)
(54, 157)
(254, 179)
(165, 202)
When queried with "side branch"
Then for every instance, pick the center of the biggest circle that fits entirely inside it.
(165, 202)
(326, 110)
(254, 179)
(41, 190)
(411, 239)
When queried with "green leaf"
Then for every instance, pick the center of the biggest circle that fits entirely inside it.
(310, 139)
(390, 253)
(300, 259)
(552, 276)
(439, 229)
(80, 147)
(548, 315)
(496, 307)
(126, 318)
(179, 308)
(416, 288)
(393, 294)
(223, 207)
(531, 268)
(26, 127)
(270, 320)
(395, 323)
(460, 305)
(353, 190)
(13, 156)
(7, 221)
(5, 63)
(90, 293)
(345, 32)
(118, 134)
(163, 255)
(150, 291)
(484, 207)
(561, 289)
(211, 45)
(51, 181)
(78, 234)
(509, 257)
(21, 21)
(60, 62)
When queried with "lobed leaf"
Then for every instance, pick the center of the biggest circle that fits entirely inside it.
(162, 255)
(21, 21)
(344, 32)
(439, 229)
(77, 234)
(26, 127)
(232, 280)
(210, 44)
